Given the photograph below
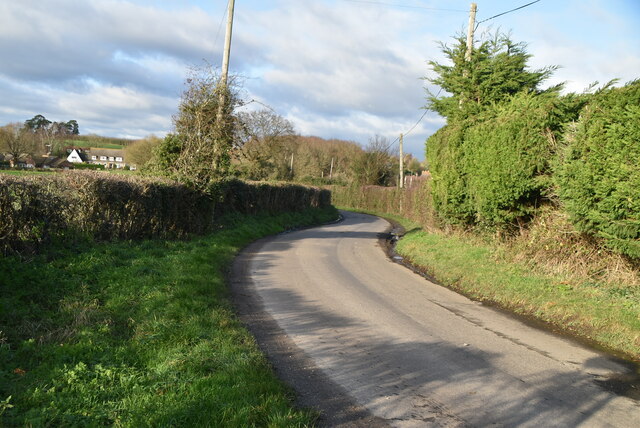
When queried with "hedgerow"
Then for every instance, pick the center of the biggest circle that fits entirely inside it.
(445, 154)
(494, 169)
(37, 209)
(598, 175)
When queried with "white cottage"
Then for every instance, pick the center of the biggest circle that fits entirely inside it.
(75, 157)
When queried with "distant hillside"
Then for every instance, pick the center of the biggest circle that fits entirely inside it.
(98, 141)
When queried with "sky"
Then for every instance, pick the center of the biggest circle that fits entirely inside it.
(347, 69)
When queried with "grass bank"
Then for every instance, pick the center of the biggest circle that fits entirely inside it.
(137, 334)
(605, 313)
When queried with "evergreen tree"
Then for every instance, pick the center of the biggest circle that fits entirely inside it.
(497, 70)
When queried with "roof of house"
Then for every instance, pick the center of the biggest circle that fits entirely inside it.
(83, 156)
(106, 152)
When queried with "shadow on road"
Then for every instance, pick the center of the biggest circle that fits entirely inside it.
(380, 372)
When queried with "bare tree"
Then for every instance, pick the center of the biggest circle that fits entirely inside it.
(263, 145)
(376, 165)
(140, 152)
(16, 141)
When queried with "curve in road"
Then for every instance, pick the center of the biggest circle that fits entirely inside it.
(371, 343)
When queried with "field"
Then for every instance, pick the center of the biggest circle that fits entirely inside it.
(87, 141)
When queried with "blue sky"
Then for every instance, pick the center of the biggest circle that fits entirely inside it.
(346, 69)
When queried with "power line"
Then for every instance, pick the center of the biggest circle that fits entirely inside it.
(509, 11)
(409, 131)
(379, 3)
(416, 124)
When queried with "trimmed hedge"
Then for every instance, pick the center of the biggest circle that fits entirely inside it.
(599, 176)
(412, 202)
(36, 209)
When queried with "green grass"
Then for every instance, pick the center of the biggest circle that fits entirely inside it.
(87, 144)
(100, 143)
(607, 314)
(137, 334)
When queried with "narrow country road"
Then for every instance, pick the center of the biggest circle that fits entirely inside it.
(374, 344)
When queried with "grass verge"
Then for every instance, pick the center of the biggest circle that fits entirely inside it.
(137, 334)
(606, 314)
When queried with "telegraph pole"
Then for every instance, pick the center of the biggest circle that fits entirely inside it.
(227, 43)
(225, 60)
(470, 31)
(291, 164)
(331, 170)
(401, 164)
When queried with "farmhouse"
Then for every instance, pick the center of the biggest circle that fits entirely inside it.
(110, 158)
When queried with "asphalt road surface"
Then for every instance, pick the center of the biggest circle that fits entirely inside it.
(371, 343)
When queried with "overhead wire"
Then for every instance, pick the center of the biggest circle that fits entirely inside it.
(408, 132)
(504, 13)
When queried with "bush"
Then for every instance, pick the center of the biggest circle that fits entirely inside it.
(494, 169)
(411, 202)
(445, 155)
(101, 206)
(598, 176)
(91, 166)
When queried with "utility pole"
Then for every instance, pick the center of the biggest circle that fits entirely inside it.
(291, 165)
(225, 60)
(227, 43)
(470, 31)
(467, 55)
(401, 164)
(331, 170)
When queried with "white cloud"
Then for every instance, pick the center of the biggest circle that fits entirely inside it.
(334, 68)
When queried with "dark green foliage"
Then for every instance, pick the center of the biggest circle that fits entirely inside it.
(445, 155)
(490, 163)
(508, 155)
(497, 70)
(494, 170)
(93, 166)
(37, 123)
(599, 175)
(256, 197)
(165, 155)
(36, 209)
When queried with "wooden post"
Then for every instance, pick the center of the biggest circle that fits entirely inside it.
(225, 61)
(470, 31)
(227, 43)
(401, 164)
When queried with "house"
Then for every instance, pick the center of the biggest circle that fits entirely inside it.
(49, 162)
(26, 162)
(76, 156)
(110, 158)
